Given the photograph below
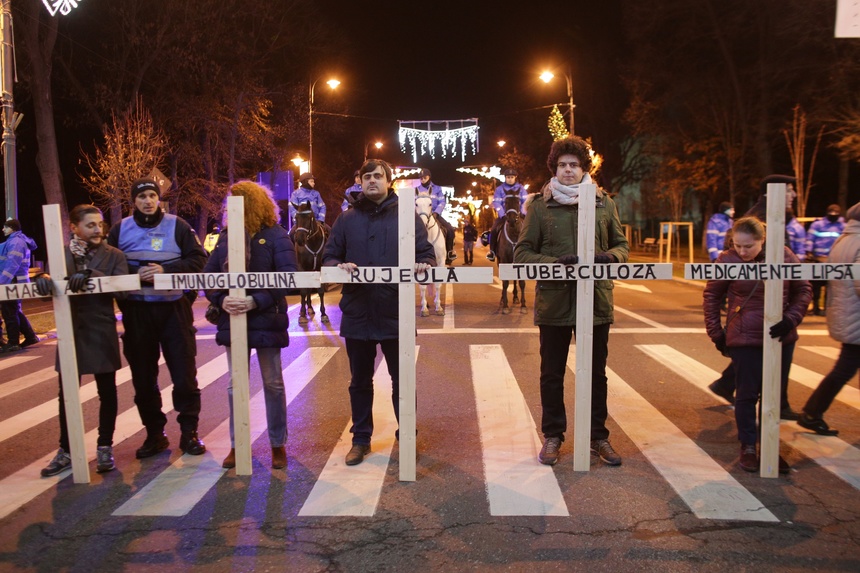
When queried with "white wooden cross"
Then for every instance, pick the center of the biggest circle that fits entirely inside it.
(54, 234)
(237, 281)
(405, 277)
(585, 273)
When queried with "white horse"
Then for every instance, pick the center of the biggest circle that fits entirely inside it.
(436, 236)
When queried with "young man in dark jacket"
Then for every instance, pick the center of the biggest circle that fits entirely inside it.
(367, 235)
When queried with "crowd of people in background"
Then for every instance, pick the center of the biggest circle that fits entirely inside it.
(160, 322)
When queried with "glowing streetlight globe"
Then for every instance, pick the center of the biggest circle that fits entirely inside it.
(547, 77)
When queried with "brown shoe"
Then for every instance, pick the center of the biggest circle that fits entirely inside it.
(230, 461)
(356, 454)
(749, 458)
(279, 458)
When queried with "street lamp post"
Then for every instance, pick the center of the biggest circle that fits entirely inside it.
(377, 145)
(548, 76)
(332, 83)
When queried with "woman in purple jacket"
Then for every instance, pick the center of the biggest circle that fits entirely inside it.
(744, 333)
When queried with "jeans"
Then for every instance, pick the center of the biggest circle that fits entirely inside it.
(362, 356)
(726, 384)
(106, 386)
(274, 393)
(16, 323)
(747, 361)
(846, 366)
(554, 348)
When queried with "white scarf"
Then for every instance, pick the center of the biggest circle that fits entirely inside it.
(567, 194)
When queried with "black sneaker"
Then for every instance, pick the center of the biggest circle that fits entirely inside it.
(817, 425)
(189, 443)
(9, 348)
(603, 449)
(104, 459)
(151, 446)
(30, 341)
(59, 464)
(549, 452)
(356, 454)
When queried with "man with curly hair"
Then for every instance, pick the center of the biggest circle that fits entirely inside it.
(549, 235)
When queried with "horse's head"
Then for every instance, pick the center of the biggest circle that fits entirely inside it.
(512, 207)
(423, 204)
(305, 222)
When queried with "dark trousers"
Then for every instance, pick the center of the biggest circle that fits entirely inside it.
(152, 328)
(846, 366)
(817, 286)
(362, 356)
(726, 385)
(449, 234)
(106, 386)
(554, 348)
(16, 323)
(494, 233)
(747, 361)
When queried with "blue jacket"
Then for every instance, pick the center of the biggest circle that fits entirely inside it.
(15, 258)
(303, 194)
(368, 236)
(271, 251)
(795, 236)
(437, 196)
(715, 238)
(821, 236)
(505, 189)
(356, 189)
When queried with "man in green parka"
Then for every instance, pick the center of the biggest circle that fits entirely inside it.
(549, 235)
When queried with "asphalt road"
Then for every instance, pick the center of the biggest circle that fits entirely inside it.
(481, 501)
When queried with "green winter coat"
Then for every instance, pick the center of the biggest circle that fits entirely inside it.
(550, 231)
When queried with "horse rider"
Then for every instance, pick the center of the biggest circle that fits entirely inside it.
(510, 187)
(351, 193)
(437, 206)
(307, 192)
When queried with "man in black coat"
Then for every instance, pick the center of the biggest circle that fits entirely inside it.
(367, 235)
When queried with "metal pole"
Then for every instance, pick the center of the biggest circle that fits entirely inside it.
(311, 126)
(569, 79)
(9, 118)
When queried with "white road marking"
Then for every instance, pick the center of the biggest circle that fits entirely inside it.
(15, 361)
(833, 454)
(25, 484)
(517, 484)
(639, 317)
(448, 305)
(825, 351)
(47, 410)
(639, 288)
(355, 490)
(810, 379)
(180, 487)
(27, 381)
(690, 370)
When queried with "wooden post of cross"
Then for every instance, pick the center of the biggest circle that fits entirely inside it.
(237, 280)
(772, 351)
(54, 234)
(406, 278)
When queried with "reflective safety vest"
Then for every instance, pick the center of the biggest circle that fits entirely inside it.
(143, 245)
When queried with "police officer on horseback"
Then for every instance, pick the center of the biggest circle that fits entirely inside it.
(510, 187)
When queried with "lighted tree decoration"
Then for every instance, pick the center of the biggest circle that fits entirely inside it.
(556, 124)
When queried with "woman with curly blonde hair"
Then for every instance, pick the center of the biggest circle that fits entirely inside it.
(267, 249)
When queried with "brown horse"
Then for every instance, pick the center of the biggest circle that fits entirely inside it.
(509, 234)
(309, 239)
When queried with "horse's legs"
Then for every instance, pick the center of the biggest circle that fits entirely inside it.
(323, 315)
(523, 297)
(422, 289)
(516, 298)
(503, 304)
(304, 297)
(437, 295)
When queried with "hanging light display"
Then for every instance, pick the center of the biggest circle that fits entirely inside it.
(492, 172)
(64, 7)
(422, 138)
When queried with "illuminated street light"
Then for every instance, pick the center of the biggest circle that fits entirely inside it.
(377, 145)
(547, 76)
(501, 143)
(332, 83)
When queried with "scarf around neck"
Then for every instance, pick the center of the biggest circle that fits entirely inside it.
(567, 194)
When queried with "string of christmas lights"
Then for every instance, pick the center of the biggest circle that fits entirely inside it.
(424, 141)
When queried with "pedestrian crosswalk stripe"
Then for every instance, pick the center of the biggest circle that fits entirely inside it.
(825, 351)
(25, 484)
(833, 454)
(27, 419)
(15, 361)
(27, 381)
(639, 317)
(517, 484)
(180, 487)
(343, 490)
(690, 370)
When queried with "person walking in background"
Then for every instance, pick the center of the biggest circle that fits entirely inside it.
(510, 187)
(94, 324)
(819, 240)
(270, 250)
(212, 238)
(743, 334)
(549, 235)
(160, 321)
(367, 235)
(470, 235)
(718, 225)
(795, 234)
(15, 269)
(843, 322)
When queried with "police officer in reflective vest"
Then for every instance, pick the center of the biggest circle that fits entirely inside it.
(155, 242)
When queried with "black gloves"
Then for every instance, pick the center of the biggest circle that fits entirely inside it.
(78, 281)
(603, 258)
(567, 260)
(44, 285)
(781, 329)
(720, 343)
